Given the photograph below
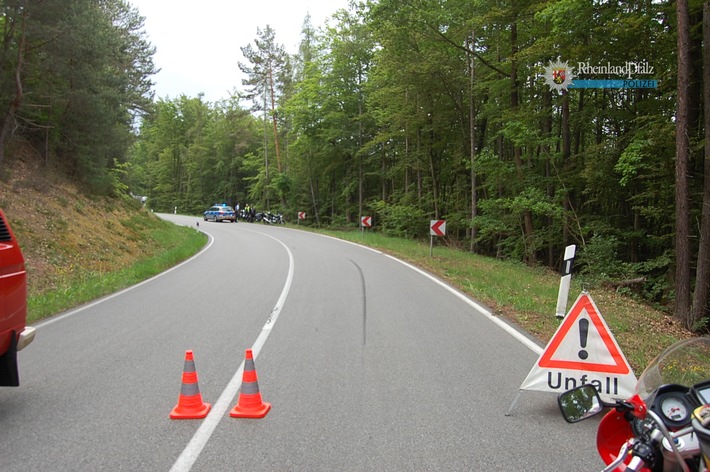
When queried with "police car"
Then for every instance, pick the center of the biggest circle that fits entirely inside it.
(220, 213)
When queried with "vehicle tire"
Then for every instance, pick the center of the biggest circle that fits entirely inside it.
(9, 375)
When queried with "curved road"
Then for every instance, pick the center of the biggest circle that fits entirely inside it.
(370, 365)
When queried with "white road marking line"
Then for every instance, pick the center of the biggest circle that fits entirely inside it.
(193, 449)
(505, 326)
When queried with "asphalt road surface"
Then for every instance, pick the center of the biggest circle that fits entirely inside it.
(369, 364)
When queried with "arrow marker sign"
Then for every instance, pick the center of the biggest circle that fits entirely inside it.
(366, 221)
(437, 228)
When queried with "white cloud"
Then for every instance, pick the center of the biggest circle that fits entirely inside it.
(198, 43)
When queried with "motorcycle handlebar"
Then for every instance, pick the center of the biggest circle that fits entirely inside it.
(620, 458)
(637, 462)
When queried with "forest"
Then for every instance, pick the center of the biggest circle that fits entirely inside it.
(405, 111)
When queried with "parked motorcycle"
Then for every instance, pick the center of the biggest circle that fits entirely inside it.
(272, 219)
(665, 425)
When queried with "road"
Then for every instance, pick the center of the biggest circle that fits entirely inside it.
(369, 364)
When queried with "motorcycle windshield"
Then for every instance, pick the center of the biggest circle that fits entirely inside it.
(684, 363)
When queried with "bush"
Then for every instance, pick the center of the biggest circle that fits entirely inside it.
(599, 259)
(404, 221)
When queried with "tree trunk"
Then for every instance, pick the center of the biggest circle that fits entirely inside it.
(682, 197)
(434, 182)
(472, 137)
(315, 201)
(9, 117)
(566, 156)
(553, 247)
(517, 152)
(273, 119)
(266, 154)
(432, 166)
(702, 275)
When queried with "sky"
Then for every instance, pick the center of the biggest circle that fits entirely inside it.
(198, 42)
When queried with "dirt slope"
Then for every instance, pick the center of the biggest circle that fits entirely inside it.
(63, 231)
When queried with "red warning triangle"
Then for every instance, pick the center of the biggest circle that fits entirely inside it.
(569, 328)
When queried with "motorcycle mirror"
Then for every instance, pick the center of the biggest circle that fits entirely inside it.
(580, 403)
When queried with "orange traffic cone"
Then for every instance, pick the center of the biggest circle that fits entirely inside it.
(250, 404)
(190, 405)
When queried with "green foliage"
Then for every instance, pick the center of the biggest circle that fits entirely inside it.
(192, 154)
(632, 158)
(657, 288)
(599, 259)
(500, 223)
(424, 108)
(382, 105)
(281, 184)
(118, 175)
(404, 221)
(86, 73)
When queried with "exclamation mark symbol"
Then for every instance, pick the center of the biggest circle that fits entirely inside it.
(583, 333)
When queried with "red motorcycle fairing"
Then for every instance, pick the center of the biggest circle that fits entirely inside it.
(614, 430)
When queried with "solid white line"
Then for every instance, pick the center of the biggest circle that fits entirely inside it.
(193, 449)
(114, 295)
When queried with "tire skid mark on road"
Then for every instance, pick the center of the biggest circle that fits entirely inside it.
(364, 302)
(529, 343)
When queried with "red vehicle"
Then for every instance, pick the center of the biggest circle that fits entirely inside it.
(14, 334)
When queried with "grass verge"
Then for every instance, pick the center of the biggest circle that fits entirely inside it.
(172, 244)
